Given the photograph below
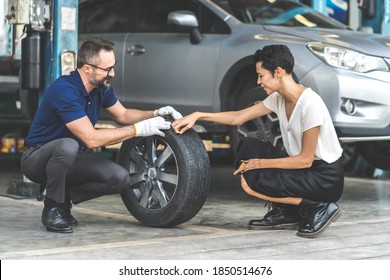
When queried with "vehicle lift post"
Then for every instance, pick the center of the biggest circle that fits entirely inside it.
(65, 33)
(49, 48)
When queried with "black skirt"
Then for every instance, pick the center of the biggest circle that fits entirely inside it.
(321, 182)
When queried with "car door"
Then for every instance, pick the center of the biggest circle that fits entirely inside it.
(161, 65)
(112, 20)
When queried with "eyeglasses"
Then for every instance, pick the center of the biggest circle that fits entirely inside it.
(108, 69)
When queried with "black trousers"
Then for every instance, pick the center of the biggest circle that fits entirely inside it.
(320, 182)
(67, 171)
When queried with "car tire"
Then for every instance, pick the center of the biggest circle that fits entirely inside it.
(265, 128)
(170, 177)
(376, 153)
(350, 155)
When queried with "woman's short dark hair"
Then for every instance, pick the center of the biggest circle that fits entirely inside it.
(89, 51)
(273, 56)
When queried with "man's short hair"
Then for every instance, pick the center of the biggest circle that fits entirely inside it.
(89, 51)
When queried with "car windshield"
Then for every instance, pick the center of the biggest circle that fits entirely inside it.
(274, 12)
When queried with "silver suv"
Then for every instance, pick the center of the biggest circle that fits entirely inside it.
(196, 55)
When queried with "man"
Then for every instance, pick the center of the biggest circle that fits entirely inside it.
(63, 129)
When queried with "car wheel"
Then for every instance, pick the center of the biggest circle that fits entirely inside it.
(169, 177)
(264, 128)
(376, 153)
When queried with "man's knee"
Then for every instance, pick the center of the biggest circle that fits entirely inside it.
(123, 179)
(67, 146)
(66, 150)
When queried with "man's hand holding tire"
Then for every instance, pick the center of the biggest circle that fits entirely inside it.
(151, 126)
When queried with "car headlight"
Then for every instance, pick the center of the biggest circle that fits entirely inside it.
(348, 59)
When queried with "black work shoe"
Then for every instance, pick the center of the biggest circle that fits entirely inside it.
(315, 218)
(54, 222)
(70, 219)
(280, 217)
(67, 215)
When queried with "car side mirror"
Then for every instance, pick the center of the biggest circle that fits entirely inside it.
(187, 21)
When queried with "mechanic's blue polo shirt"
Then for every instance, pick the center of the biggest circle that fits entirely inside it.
(64, 101)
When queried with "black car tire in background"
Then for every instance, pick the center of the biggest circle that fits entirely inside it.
(376, 153)
(350, 155)
(170, 177)
(264, 128)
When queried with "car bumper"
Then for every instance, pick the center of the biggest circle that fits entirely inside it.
(368, 92)
(347, 134)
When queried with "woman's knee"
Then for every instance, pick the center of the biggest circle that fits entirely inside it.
(246, 187)
(253, 148)
(247, 144)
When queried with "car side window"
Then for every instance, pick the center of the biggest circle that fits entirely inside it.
(102, 16)
(152, 16)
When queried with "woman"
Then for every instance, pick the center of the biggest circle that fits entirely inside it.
(303, 181)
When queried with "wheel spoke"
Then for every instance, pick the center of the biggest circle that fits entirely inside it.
(136, 178)
(160, 194)
(258, 122)
(252, 134)
(165, 155)
(166, 177)
(137, 158)
(145, 195)
(151, 149)
(278, 141)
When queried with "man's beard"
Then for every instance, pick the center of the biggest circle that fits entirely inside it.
(101, 83)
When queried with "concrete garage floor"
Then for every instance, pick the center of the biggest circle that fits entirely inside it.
(107, 231)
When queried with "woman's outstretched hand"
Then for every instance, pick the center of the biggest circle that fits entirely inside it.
(182, 125)
(247, 165)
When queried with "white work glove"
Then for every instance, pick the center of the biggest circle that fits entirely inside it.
(166, 111)
(151, 126)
